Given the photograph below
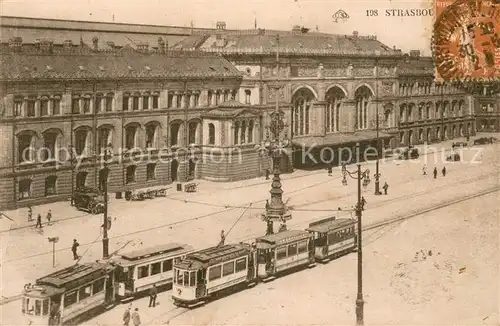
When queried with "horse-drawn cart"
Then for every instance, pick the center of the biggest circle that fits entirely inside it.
(148, 193)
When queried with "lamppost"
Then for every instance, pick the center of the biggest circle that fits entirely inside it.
(377, 173)
(442, 111)
(365, 177)
(106, 222)
(274, 145)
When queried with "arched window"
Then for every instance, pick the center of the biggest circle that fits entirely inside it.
(125, 101)
(50, 185)
(50, 145)
(82, 141)
(86, 103)
(402, 113)
(243, 132)
(130, 177)
(437, 111)
(302, 102)
(30, 106)
(152, 130)
(26, 147)
(446, 104)
(410, 111)
(236, 132)
(145, 101)
(105, 138)
(98, 102)
(131, 136)
(250, 131)
(211, 134)
(334, 99)
(44, 106)
(363, 97)
(174, 133)
(420, 135)
(193, 130)
(135, 101)
(421, 111)
(24, 189)
(428, 111)
(109, 102)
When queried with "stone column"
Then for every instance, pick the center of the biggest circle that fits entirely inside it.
(37, 107)
(141, 103)
(191, 100)
(50, 106)
(117, 101)
(65, 103)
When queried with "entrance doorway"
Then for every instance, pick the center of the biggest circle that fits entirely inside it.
(174, 168)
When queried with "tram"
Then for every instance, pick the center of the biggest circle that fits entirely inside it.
(137, 271)
(69, 295)
(208, 273)
(280, 252)
(333, 237)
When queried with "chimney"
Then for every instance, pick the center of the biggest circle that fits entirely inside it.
(355, 34)
(95, 43)
(15, 43)
(67, 44)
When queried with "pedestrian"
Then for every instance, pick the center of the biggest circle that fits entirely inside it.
(443, 171)
(363, 202)
(49, 216)
(126, 316)
(385, 187)
(330, 170)
(267, 204)
(30, 214)
(153, 293)
(222, 238)
(136, 319)
(74, 248)
(435, 172)
(424, 170)
(38, 221)
(267, 174)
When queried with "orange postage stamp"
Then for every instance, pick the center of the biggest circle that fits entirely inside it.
(466, 40)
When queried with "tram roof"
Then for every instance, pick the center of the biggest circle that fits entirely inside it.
(76, 275)
(330, 224)
(213, 255)
(284, 237)
(155, 250)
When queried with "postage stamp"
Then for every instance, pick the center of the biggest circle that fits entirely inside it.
(466, 40)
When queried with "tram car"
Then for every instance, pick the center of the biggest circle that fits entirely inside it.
(282, 252)
(333, 238)
(209, 273)
(137, 271)
(69, 295)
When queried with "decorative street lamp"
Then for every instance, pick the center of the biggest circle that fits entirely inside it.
(377, 173)
(106, 222)
(365, 177)
(275, 143)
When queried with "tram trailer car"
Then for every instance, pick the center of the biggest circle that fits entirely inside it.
(69, 295)
(283, 252)
(138, 270)
(333, 238)
(212, 272)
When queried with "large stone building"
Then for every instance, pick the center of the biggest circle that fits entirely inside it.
(174, 103)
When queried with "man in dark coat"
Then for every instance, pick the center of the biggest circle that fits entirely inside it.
(126, 316)
(152, 296)
(74, 248)
(267, 174)
(443, 171)
(38, 221)
(49, 216)
(363, 203)
(385, 187)
(435, 172)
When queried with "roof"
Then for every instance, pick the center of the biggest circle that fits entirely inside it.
(75, 275)
(127, 64)
(423, 66)
(230, 109)
(174, 248)
(330, 224)
(213, 255)
(283, 237)
(337, 139)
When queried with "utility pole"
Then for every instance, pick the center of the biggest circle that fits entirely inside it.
(442, 111)
(105, 225)
(377, 173)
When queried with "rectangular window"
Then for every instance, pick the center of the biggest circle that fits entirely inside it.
(135, 103)
(75, 105)
(241, 264)
(70, 298)
(192, 279)
(209, 98)
(84, 292)
(56, 105)
(170, 100)
(214, 273)
(98, 286)
(18, 105)
(179, 101)
(292, 249)
(30, 108)
(155, 101)
(228, 268)
(145, 102)
(38, 308)
(109, 103)
(186, 278)
(86, 105)
(196, 100)
(281, 253)
(143, 271)
(188, 101)
(97, 103)
(125, 102)
(156, 268)
(167, 265)
(179, 276)
(45, 311)
(44, 107)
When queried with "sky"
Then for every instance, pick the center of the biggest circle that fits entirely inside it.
(406, 33)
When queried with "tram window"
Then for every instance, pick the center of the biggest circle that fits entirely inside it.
(98, 286)
(156, 268)
(241, 264)
(38, 307)
(70, 298)
(292, 249)
(186, 278)
(214, 273)
(228, 268)
(167, 265)
(179, 277)
(84, 293)
(261, 258)
(143, 271)
(281, 253)
(302, 247)
(192, 279)
(45, 307)
(331, 238)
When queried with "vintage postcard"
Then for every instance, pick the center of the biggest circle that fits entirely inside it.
(281, 162)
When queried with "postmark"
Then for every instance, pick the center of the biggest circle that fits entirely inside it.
(466, 40)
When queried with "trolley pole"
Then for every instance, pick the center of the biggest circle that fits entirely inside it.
(105, 240)
(365, 176)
